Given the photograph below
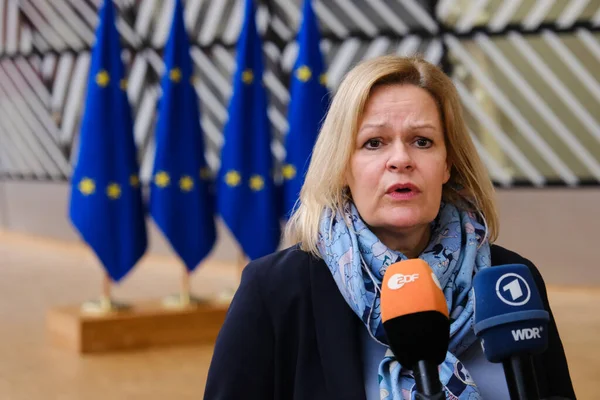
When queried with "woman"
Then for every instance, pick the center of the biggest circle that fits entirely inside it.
(394, 175)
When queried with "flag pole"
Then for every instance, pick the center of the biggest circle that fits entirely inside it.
(186, 298)
(105, 304)
(105, 300)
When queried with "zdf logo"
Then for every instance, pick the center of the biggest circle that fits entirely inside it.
(398, 280)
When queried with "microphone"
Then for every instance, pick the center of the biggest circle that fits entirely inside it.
(415, 320)
(512, 323)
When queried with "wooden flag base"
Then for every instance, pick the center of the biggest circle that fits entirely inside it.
(137, 326)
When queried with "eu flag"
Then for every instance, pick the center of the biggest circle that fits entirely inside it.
(308, 105)
(180, 196)
(106, 202)
(246, 191)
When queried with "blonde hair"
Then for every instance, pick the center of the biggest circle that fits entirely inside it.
(469, 187)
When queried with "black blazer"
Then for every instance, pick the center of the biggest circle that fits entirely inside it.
(289, 334)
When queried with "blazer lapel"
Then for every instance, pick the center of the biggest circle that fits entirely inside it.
(337, 336)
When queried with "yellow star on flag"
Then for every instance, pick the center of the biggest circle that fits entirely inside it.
(162, 179)
(248, 76)
(175, 75)
(186, 183)
(113, 191)
(232, 178)
(123, 84)
(134, 180)
(86, 186)
(257, 183)
(323, 79)
(289, 171)
(102, 78)
(205, 173)
(303, 73)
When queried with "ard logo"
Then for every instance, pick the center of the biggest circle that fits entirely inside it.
(513, 289)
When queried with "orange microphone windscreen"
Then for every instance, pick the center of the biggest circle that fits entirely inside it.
(410, 287)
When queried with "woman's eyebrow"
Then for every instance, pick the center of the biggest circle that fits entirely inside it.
(421, 125)
(369, 125)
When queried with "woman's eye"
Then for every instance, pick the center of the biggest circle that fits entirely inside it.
(373, 143)
(423, 143)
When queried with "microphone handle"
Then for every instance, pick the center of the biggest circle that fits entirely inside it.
(427, 379)
(520, 377)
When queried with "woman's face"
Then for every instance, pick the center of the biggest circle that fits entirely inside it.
(399, 162)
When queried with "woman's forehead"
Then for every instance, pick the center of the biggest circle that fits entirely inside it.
(410, 104)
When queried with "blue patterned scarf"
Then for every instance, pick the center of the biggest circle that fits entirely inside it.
(358, 260)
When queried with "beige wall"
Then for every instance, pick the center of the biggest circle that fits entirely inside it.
(558, 229)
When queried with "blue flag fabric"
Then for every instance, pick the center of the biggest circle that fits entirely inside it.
(181, 200)
(246, 190)
(308, 105)
(106, 203)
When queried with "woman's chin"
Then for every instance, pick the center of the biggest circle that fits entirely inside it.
(404, 224)
(404, 218)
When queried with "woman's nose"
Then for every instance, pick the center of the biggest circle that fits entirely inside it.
(399, 158)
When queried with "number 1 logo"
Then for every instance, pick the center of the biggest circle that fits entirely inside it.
(511, 288)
